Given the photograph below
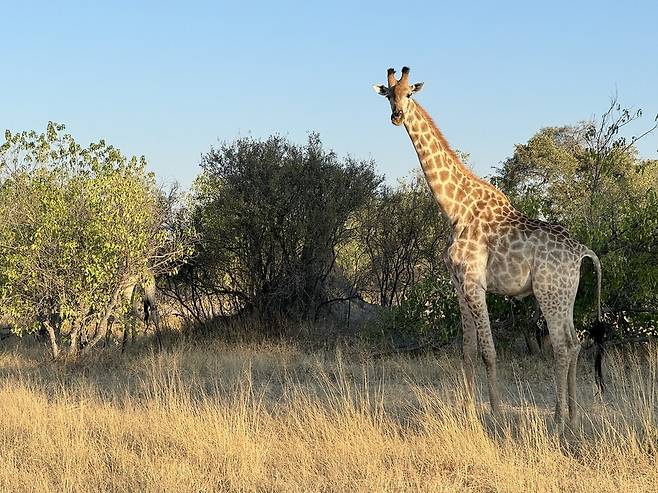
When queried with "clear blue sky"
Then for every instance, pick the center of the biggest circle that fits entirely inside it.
(170, 79)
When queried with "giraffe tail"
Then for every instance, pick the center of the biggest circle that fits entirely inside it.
(597, 265)
(599, 328)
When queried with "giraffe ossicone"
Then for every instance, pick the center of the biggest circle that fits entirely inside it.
(493, 247)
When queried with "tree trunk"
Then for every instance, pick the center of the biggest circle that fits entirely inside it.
(53, 339)
(102, 329)
(100, 333)
(75, 339)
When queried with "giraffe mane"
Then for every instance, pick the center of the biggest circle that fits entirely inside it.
(458, 162)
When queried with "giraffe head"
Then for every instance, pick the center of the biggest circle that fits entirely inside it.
(398, 93)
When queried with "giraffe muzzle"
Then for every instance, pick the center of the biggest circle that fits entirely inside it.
(397, 117)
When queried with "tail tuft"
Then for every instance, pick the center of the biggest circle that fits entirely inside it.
(598, 332)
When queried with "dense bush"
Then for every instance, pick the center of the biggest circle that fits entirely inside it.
(430, 311)
(77, 225)
(271, 216)
(398, 238)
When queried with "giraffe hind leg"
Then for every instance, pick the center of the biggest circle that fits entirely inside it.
(573, 363)
(573, 403)
(557, 312)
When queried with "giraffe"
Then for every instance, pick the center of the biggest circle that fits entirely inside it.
(495, 248)
(139, 292)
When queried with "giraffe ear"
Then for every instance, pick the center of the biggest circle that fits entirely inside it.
(417, 87)
(380, 89)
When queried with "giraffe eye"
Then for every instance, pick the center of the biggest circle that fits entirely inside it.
(409, 95)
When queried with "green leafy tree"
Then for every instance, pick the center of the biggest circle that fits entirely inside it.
(590, 179)
(271, 216)
(77, 225)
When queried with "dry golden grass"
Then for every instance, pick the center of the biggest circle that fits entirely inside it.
(270, 417)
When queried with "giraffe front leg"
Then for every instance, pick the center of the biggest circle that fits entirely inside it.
(476, 303)
(469, 334)
(469, 345)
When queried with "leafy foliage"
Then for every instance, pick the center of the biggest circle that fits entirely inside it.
(589, 178)
(431, 310)
(286, 231)
(399, 236)
(76, 226)
(272, 216)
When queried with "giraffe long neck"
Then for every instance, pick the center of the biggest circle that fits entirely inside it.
(454, 186)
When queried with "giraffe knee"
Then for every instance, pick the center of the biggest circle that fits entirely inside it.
(561, 352)
(469, 346)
